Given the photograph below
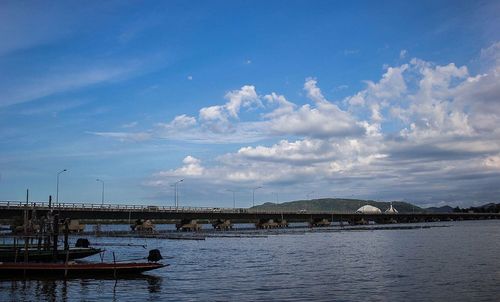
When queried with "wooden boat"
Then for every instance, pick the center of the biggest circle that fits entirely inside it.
(45, 255)
(74, 269)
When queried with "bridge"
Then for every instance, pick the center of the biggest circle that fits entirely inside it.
(169, 214)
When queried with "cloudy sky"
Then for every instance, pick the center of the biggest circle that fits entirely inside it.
(394, 100)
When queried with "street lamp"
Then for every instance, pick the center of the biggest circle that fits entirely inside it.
(253, 195)
(57, 187)
(234, 200)
(276, 195)
(102, 197)
(176, 194)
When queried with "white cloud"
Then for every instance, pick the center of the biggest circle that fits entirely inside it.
(180, 122)
(443, 136)
(212, 113)
(325, 121)
(125, 136)
(130, 125)
(244, 97)
(217, 118)
(492, 162)
(313, 92)
(403, 53)
(284, 107)
(390, 87)
(59, 81)
(490, 56)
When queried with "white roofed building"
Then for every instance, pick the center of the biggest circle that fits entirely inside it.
(368, 209)
(391, 210)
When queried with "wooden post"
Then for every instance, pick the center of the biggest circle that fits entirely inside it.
(26, 227)
(66, 232)
(66, 264)
(55, 229)
(114, 265)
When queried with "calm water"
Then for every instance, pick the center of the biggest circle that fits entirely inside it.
(459, 263)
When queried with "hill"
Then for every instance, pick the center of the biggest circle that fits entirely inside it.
(443, 209)
(487, 208)
(335, 205)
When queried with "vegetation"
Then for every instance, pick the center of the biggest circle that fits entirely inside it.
(487, 208)
(336, 205)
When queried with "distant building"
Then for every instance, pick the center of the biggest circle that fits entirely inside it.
(368, 209)
(391, 210)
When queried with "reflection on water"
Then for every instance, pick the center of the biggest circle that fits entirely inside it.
(55, 289)
(458, 263)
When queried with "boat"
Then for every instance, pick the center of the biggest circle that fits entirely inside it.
(36, 254)
(69, 269)
(76, 269)
(11, 254)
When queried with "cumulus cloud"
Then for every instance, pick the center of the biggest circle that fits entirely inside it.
(278, 118)
(180, 122)
(325, 119)
(284, 107)
(442, 136)
(244, 97)
(192, 167)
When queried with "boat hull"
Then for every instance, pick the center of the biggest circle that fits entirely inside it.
(35, 255)
(76, 269)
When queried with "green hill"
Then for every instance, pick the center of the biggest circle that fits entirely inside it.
(335, 205)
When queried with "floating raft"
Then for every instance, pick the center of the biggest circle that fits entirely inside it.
(72, 269)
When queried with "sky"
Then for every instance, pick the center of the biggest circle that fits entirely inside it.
(274, 100)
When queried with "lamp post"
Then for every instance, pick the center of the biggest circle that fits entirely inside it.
(176, 194)
(57, 186)
(253, 195)
(234, 199)
(102, 197)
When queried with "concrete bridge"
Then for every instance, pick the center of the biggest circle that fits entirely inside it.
(120, 212)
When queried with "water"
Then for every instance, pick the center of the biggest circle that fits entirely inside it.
(459, 263)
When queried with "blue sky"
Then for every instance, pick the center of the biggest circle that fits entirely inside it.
(390, 100)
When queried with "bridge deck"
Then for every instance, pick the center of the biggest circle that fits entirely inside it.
(9, 209)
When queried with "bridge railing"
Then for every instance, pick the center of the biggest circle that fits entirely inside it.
(150, 208)
(153, 208)
(115, 207)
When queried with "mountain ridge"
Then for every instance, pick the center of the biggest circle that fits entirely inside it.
(337, 205)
